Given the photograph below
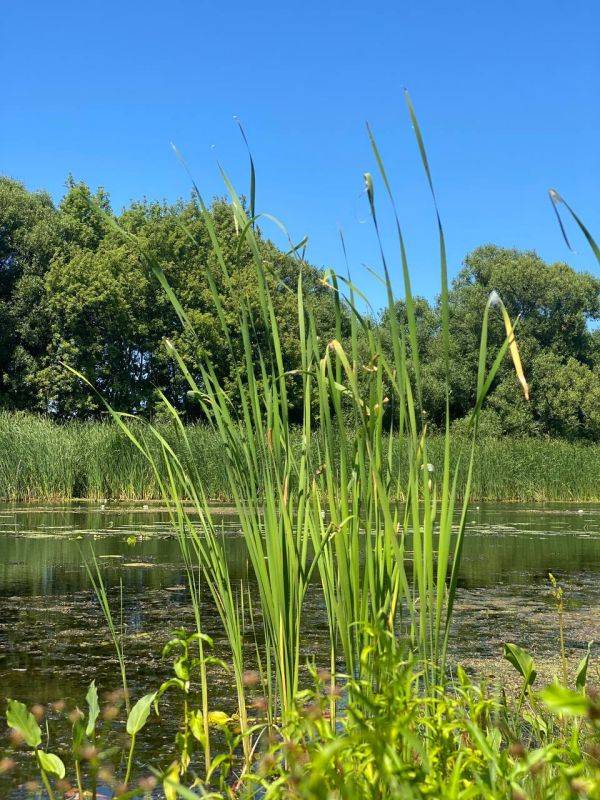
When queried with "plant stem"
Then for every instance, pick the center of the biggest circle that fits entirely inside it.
(130, 760)
(45, 779)
(78, 777)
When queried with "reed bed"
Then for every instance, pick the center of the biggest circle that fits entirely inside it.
(337, 500)
(42, 461)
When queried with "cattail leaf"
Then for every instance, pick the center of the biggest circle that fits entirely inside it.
(556, 199)
(514, 351)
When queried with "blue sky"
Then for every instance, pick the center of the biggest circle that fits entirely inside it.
(506, 93)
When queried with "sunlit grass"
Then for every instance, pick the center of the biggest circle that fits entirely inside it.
(337, 505)
(43, 461)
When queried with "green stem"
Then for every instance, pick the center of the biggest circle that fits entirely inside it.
(563, 654)
(45, 780)
(78, 777)
(130, 760)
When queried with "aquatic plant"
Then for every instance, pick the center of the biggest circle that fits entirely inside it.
(116, 630)
(379, 540)
(42, 461)
(336, 508)
(392, 739)
(25, 726)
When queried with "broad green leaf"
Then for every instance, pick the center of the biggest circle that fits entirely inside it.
(196, 726)
(181, 670)
(138, 716)
(51, 764)
(93, 708)
(521, 661)
(23, 721)
(565, 701)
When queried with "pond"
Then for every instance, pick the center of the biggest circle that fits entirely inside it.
(54, 641)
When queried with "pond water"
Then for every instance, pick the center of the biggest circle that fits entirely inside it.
(53, 638)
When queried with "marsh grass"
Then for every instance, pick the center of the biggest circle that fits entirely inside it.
(42, 461)
(115, 626)
(335, 506)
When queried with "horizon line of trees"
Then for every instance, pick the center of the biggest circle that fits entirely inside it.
(73, 290)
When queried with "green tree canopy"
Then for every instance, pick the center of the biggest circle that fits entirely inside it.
(74, 289)
(29, 238)
(556, 308)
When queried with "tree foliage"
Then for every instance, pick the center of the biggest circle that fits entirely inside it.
(74, 290)
(556, 309)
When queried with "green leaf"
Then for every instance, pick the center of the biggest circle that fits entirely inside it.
(555, 198)
(582, 668)
(196, 726)
(521, 661)
(217, 718)
(201, 637)
(51, 764)
(94, 709)
(182, 791)
(171, 781)
(181, 669)
(78, 738)
(565, 701)
(23, 721)
(171, 682)
(536, 721)
(138, 716)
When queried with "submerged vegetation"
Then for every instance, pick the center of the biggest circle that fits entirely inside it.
(337, 483)
(41, 461)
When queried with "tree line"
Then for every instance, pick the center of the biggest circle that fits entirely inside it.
(73, 290)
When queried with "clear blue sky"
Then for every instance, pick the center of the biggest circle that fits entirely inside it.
(506, 92)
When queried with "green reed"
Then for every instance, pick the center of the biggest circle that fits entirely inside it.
(334, 507)
(116, 628)
(44, 461)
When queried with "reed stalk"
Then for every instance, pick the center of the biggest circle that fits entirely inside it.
(377, 538)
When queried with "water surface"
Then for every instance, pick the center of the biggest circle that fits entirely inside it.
(53, 639)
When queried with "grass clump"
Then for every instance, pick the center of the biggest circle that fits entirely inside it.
(42, 461)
